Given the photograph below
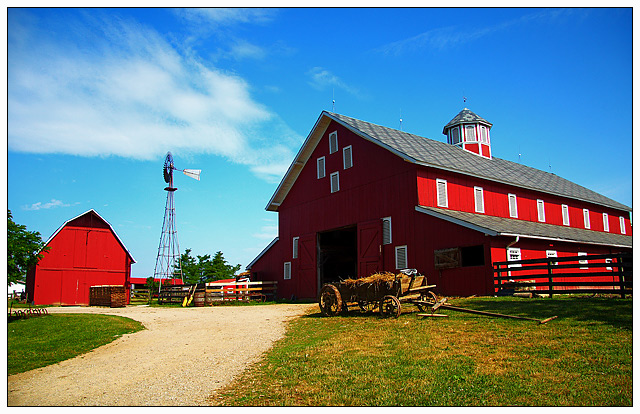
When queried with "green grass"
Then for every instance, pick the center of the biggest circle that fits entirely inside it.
(583, 358)
(44, 340)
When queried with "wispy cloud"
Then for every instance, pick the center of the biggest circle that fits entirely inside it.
(45, 206)
(447, 37)
(114, 87)
(268, 231)
(321, 79)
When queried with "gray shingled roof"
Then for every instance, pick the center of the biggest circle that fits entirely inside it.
(441, 155)
(466, 116)
(500, 226)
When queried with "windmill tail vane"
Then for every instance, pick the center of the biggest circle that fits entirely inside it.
(195, 174)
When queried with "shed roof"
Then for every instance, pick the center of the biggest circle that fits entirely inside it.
(500, 226)
(92, 215)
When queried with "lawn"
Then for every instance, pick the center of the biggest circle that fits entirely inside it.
(582, 358)
(44, 340)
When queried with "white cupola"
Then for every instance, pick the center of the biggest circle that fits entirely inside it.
(470, 132)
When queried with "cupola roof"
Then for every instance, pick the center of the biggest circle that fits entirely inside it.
(466, 116)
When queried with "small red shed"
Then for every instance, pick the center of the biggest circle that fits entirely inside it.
(85, 251)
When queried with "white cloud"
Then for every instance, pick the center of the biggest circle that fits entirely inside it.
(44, 206)
(322, 79)
(113, 87)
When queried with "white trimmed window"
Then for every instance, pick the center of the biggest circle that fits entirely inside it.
(347, 157)
(605, 221)
(454, 135)
(295, 247)
(321, 171)
(386, 230)
(565, 214)
(552, 253)
(513, 206)
(287, 270)
(335, 182)
(470, 133)
(401, 257)
(622, 228)
(587, 221)
(333, 142)
(583, 261)
(541, 211)
(478, 194)
(484, 134)
(513, 254)
(441, 193)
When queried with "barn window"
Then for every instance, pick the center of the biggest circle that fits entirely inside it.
(541, 211)
(513, 206)
(470, 133)
(386, 230)
(335, 182)
(295, 247)
(583, 261)
(321, 171)
(479, 199)
(472, 256)
(587, 221)
(454, 136)
(347, 157)
(287, 270)
(401, 257)
(442, 198)
(565, 214)
(552, 253)
(605, 221)
(622, 229)
(333, 142)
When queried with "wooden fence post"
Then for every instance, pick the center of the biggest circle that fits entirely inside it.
(550, 270)
(621, 276)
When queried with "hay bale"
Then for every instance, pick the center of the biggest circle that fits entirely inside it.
(376, 278)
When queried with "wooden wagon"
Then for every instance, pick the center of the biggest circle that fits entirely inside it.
(384, 291)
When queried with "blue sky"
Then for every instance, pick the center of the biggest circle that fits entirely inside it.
(96, 97)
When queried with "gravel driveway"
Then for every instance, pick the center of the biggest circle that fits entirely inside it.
(179, 360)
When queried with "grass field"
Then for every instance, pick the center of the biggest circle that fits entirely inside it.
(44, 340)
(583, 358)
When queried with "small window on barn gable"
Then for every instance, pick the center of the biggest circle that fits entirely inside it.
(622, 228)
(401, 257)
(513, 206)
(287, 270)
(295, 247)
(333, 142)
(386, 230)
(565, 214)
(605, 221)
(541, 211)
(347, 157)
(587, 221)
(478, 193)
(321, 171)
(441, 193)
(335, 182)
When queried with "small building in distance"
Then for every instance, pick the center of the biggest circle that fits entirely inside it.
(360, 198)
(85, 251)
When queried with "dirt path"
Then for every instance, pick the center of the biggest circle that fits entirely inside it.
(179, 360)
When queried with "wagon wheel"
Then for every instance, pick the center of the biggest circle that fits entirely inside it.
(429, 296)
(390, 306)
(330, 300)
(366, 306)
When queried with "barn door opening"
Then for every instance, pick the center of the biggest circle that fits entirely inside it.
(337, 255)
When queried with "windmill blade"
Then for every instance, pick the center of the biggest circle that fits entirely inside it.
(192, 173)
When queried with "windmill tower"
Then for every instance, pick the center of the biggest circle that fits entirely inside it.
(168, 264)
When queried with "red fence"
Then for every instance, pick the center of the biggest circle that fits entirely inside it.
(606, 273)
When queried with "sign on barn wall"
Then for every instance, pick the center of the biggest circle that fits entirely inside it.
(447, 258)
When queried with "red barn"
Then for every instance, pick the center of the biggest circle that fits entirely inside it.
(361, 197)
(85, 251)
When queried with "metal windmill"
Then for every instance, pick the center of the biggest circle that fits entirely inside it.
(168, 264)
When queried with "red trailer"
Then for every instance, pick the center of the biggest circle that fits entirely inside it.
(85, 251)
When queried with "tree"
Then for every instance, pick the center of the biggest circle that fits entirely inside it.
(202, 269)
(24, 249)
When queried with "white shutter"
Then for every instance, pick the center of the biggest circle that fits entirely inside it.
(295, 247)
(347, 158)
(622, 229)
(565, 214)
(441, 193)
(333, 142)
(513, 206)
(401, 257)
(541, 211)
(587, 221)
(583, 261)
(605, 221)
(479, 199)
(386, 230)
(287, 270)
(321, 171)
(335, 182)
